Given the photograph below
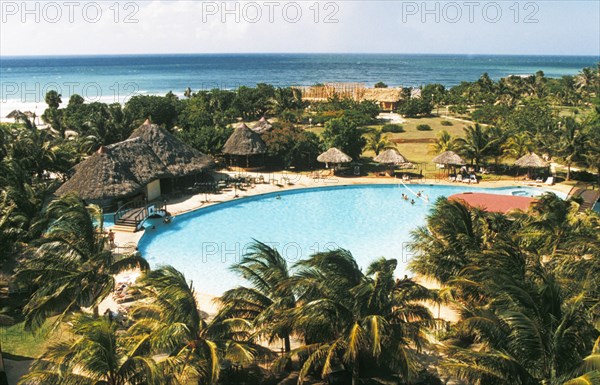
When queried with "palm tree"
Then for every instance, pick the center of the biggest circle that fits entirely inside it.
(518, 145)
(71, 266)
(98, 354)
(171, 322)
(357, 320)
(377, 142)
(444, 142)
(264, 302)
(569, 143)
(478, 143)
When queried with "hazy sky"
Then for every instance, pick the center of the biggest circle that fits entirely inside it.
(72, 27)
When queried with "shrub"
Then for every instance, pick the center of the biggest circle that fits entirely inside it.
(423, 127)
(446, 123)
(390, 127)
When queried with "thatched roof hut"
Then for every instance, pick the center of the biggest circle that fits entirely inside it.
(390, 156)
(115, 171)
(531, 160)
(179, 158)
(13, 114)
(262, 126)
(333, 155)
(244, 142)
(449, 157)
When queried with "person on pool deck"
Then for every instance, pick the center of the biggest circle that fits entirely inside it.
(111, 239)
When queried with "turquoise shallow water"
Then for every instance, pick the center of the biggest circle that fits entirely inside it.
(371, 221)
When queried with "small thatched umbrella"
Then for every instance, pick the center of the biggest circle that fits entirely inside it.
(262, 126)
(244, 142)
(180, 159)
(449, 158)
(531, 161)
(334, 156)
(116, 171)
(391, 157)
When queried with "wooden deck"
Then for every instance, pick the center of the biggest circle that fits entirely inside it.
(589, 197)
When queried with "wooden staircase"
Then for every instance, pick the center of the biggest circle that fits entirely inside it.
(589, 198)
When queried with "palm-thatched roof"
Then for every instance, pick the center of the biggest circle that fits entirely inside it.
(448, 157)
(388, 95)
(244, 141)
(262, 126)
(13, 114)
(116, 171)
(333, 155)
(179, 158)
(390, 156)
(531, 160)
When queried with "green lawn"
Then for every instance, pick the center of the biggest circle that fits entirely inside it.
(18, 342)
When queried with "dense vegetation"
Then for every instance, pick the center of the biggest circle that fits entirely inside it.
(524, 286)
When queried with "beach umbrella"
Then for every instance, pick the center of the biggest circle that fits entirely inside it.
(449, 158)
(391, 157)
(531, 161)
(334, 156)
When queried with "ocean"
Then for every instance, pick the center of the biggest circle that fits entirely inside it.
(25, 80)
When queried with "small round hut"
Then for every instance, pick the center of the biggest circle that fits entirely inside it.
(244, 143)
(334, 156)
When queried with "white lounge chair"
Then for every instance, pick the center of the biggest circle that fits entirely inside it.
(473, 179)
(459, 178)
(549, 181)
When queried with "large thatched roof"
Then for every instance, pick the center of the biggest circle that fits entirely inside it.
(531, 161)
(13, 114)
(333, 155)
(116, 171)
(448, 157)
(244, 141)
(390, 156)
(262, 126)
(179, 158)
(390, 95)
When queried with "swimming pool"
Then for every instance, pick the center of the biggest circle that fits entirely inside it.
(369, 220)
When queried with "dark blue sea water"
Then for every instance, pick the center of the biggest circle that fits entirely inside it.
(114, 78)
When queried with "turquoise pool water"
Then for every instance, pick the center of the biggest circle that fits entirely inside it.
(371, 221)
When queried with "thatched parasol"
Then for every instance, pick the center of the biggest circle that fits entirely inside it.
(335, 156)
(262, 126)
(116, 171)
(179, 158)
(449, 157)
(390, 156)
(531, 160)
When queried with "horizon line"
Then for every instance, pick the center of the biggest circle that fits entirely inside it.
(292, 53)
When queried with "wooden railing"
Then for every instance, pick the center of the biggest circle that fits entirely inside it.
(138, 212)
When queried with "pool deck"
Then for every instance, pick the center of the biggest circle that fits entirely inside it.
(299, 181)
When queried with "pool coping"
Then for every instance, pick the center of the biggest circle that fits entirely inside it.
(135, 238)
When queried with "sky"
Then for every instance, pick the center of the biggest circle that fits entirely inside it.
(72, 27)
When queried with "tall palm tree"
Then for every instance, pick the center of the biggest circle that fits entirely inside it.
(171, 322)
(71, 266)
(98, 354)
(478, 143)
(377, 142)
(444, 142)
(518, 145)
(265, 301)
(361, 321)
(569, 142)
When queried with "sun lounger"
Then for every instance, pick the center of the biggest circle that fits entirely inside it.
(549, 181)
(459, 178)
(473, 179)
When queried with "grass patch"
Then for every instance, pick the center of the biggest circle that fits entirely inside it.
(22, 343)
